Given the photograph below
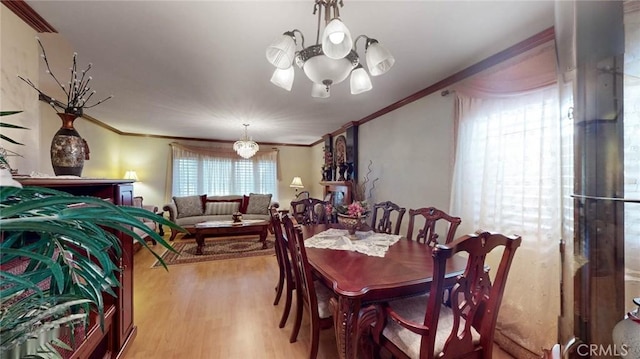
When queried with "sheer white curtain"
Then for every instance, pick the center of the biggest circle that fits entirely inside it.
(218, 172)
(508, 179)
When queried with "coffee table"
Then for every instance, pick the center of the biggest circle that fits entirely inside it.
(229, 228)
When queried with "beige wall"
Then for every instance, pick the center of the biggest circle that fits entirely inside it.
(411, 154)
(19, 55)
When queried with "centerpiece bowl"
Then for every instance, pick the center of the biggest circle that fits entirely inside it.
(351, 223)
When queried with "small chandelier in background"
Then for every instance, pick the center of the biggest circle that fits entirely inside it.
(246, 147)
(331, 61)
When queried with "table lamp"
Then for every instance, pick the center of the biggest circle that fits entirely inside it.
(131, 174)
(296, 183)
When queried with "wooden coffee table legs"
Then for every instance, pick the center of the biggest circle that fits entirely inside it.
(200, 233)
(199, 242)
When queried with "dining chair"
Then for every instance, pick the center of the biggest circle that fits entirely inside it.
(285, 274)
(310, 295)
(310, 211)
(431, 215)
(422, 327)
(385, 223)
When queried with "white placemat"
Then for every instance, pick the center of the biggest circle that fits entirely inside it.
(369, 243)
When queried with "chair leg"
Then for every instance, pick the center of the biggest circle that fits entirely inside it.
(315, 339)
(287, 308)
(298, 321)
(279, 286)
(174, 233)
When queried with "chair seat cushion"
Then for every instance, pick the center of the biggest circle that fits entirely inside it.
(323, 294)
(413, 309)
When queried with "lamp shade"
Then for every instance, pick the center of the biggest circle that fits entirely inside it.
(320, 91)
(379, 59)
(360, 81)
(336, 39)
(283, 78)
(131, 175)
(281, 52)
(322, 68)
(296, 183)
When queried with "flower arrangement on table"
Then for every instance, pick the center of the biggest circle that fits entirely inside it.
(351, 216)
(354, 209)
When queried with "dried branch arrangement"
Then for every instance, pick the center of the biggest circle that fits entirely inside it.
(77, 88)
(360, 189)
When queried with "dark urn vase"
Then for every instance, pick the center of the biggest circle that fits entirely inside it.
(67, 148)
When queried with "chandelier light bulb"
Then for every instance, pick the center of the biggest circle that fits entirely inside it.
(379, 59)
(336, 37)
(281, 52)
(360, 81)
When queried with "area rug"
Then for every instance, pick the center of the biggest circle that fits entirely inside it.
(217, 249)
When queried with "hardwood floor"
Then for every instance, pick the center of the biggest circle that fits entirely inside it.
(216, 309)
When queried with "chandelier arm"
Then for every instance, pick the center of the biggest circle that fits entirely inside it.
(355, 42)
(301, 35)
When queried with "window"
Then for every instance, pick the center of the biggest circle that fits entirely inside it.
(218, 173)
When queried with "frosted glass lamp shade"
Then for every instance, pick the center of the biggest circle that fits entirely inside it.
(336, 40)
(283, 78)
(379, 59)
(360, 81)
(322, 68)
(281, 52)
(320, 91)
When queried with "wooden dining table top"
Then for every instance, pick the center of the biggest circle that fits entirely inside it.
(405, 269)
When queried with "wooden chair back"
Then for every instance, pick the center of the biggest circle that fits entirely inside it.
(309, 211)
(286, 276)
(308, 292)
(475, 302)
(427, 234)
(385, 223)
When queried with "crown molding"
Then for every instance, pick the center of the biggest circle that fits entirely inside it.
(28, 15)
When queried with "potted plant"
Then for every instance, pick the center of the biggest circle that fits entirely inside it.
(4, 153)
(66, 252)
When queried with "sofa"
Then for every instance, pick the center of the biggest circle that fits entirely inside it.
(188, 210)
(137, 202)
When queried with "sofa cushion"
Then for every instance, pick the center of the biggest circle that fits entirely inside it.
(258, 203)
(221, 207)
(189, 206)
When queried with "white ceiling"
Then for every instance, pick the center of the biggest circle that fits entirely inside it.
(197, 69)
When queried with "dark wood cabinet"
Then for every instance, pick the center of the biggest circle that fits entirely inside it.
(122, 331)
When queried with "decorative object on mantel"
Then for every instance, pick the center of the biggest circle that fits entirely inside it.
(246, 147)
(68, 149)
(331, 61)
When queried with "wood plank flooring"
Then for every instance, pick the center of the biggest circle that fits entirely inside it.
(216, 309)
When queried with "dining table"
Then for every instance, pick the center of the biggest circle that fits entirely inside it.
(358, 279)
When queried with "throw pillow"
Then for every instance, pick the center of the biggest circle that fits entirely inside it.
(227, 207)
(189, 206)
(244, 204)
(258, 203)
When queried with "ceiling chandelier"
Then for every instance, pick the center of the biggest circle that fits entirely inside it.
(246, 147)
(328, 62)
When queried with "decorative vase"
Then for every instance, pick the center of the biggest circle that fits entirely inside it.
(626, 334)
(68, 149)
(351, 224)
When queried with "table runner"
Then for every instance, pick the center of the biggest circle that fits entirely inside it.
(369, 243)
